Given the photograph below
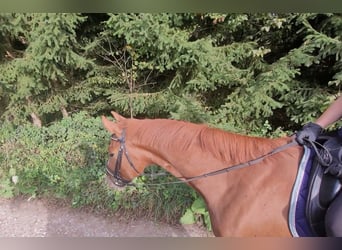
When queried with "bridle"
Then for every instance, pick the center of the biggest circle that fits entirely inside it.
(116, 175)
(120, 181)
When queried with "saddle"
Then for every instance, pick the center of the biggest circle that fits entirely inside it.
(324, 180)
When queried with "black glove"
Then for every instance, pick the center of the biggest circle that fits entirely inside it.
(309, 131)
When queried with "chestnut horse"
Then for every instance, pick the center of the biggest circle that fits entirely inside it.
(251, 201)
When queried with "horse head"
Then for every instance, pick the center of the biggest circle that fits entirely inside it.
(122, 166)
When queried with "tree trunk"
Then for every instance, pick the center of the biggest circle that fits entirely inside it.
(64, 112)
(36, 120)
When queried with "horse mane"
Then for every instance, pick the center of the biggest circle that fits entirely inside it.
(223, 145)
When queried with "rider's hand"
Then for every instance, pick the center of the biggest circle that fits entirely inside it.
(309, 132)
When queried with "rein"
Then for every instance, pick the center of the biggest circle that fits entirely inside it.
(230, 168)
(122, 182)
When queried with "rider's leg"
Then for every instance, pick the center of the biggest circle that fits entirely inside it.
(333, 218)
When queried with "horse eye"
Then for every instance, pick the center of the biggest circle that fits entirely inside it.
(111, 155)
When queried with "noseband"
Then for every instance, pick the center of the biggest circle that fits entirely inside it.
(117, 178)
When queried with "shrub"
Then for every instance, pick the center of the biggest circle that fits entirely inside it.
(66, 160)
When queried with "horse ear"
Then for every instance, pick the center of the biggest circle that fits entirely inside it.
(110, 126)
(117, 116)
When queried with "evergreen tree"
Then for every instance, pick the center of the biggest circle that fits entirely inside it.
(40, 79)
(237, 71)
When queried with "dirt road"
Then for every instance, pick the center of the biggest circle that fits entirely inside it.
(38, 218)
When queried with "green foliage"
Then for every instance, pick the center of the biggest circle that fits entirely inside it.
(319, 61)
(48, 65)
(48, 160)
(240, 69)
(197, 213)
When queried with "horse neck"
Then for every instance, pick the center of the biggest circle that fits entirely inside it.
(190, 149)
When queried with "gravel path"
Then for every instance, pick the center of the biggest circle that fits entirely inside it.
(21, 217)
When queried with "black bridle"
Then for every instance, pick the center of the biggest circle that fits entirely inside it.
(116, 175)
(120, 181)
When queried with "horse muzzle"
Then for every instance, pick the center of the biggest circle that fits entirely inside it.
(114, 183)
(119, 183)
